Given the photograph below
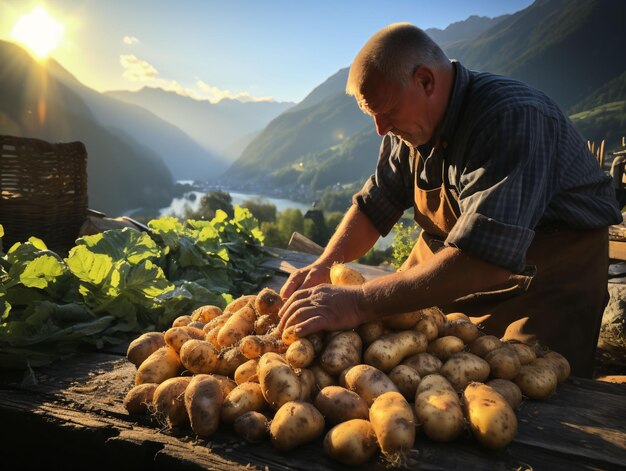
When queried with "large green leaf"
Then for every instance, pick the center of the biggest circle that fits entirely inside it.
(126, 243)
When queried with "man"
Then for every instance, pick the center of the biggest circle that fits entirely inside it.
(503, 188)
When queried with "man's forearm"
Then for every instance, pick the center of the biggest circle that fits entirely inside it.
(354, 236)
(448, 275)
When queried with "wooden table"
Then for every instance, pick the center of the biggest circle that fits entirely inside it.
(70, 415)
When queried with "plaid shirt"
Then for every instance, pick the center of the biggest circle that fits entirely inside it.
(513, 161)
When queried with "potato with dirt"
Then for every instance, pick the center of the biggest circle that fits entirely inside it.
(492, 420)
(237, 326)
(424, 363)
(198, 356)
(169, 401)
(344, 275)
(162, 364)
(508, 390)
(393, 422)
(247, 372)
(444, 347)
(341, 352)
(267, 302)
(300, 354)
(295, 423)
(368, 382)
(252, 427)
(139, 399)
(438, 409)
(206, 313)
(143, 346)
(352, 442)
(246, 397)
(406, 380)
(484, 344)
(537, 381)
(279, 383)
(388, 351)
(462, 368)
(338, 404)
(503, 362)
(203, 401)
(175, 337)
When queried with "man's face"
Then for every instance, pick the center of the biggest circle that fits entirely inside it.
(403, 112)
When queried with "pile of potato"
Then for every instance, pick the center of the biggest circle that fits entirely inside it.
(371, 389)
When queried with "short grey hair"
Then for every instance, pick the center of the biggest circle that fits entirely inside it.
(393, 53)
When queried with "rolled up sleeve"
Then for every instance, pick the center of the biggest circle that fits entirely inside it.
(388, 193)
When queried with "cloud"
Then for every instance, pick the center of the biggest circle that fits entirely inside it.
(215, 94)
(130, 40)
(137, 70)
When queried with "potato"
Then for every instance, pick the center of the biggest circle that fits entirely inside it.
(484, 344)
(300, 354)
(341, 352)
(228, 360)
(237, 326)
(226, 384)
(438, 409)
(252, 427)
(203, 402)
(265, 323)
(139, 399)
(289, 335)
(525, 352)
(279, 383)
(181, 321)
(436, 315)
(198, 356)
(453, 316)
(343, 275)
(352, 442)
(295, 423)
(308, 384)
(175, 337)
(169, 401)
(406, 380)
(428, 327)
(491, 418)
(143, 346)
(503, 362)
(388, 351)
(536, 381)
(216, 322)
(268, 301)
(393, 423)
(562, 367)
(462, 368)
(206, 313)
(162, 364)
(247, 372)
(197, 325)
(244, 398)
(463, 329)
(508, 390)
(404, 321)
(338, 404)
(317, 341)
(322, 379)
(368, 382)
(444, 347)
(238, 303)
(424, 363)
(371, 331)
(253, 346)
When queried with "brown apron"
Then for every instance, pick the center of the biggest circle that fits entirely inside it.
(559, 300)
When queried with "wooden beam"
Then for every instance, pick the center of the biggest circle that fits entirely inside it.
(617, 250)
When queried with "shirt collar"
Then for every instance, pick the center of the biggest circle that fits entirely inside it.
(461, 83)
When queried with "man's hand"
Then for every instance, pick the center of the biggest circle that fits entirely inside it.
(307, 277)
(324, 307)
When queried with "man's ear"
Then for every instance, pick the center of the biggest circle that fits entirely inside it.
(423, 77)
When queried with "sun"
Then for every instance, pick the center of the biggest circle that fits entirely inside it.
(39, 32)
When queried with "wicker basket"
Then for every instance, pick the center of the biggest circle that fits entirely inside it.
(43, 191)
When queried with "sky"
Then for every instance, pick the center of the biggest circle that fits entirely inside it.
(247, 49)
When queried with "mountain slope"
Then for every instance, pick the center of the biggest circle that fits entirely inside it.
(463, 30)
(217, 127)
(121, 174)
(567, 48)
(184, 157)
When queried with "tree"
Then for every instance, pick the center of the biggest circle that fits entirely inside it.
(210, 203)
(261, 209)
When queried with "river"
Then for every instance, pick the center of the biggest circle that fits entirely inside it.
(192, 200)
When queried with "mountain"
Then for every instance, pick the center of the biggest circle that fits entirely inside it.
(184, 157)
(122, 173)
(568, 48)
(463, 30)
(220, 128)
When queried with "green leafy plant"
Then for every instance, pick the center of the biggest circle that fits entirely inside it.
(405, 235)
(118, 283)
